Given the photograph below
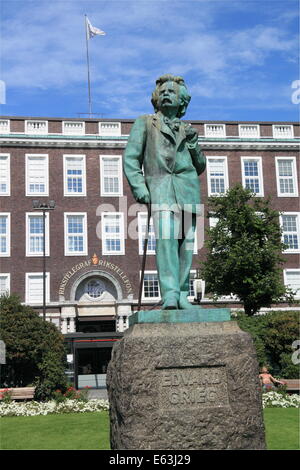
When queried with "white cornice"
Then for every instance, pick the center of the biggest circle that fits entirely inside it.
(120, 143)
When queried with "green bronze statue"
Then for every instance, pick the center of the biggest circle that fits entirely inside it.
(162, 163)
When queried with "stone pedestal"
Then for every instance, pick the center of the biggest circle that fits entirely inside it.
(185, 386)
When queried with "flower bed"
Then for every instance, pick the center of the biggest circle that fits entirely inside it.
(35, 408)
(279, 400)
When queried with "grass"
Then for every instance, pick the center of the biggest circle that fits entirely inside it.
(74, 431)
(90, 431)
(282, 428)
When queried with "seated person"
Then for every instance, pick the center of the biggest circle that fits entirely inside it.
(267, 381)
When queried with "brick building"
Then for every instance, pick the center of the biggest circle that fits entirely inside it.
(94, 236)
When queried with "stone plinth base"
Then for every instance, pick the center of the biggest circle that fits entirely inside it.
(185, 386)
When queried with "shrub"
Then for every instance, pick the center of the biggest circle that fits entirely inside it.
(273, 335)
(35, 352)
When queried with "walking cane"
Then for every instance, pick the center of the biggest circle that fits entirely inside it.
(144, 255)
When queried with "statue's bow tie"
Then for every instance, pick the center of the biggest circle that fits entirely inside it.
(174, 125)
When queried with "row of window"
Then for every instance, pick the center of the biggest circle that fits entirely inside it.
(74, 175)
(37, 175)
(112, 233)
(40, 127)
(151, 291)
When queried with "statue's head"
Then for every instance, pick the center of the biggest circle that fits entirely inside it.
(183, 95)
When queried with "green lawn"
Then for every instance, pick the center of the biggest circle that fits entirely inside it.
(282, 428)
(91, 431)
(74, 431)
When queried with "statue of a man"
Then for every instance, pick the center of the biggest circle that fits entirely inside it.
(162, 163)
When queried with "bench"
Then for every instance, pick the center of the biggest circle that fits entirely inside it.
(20, 393)
(292, 385)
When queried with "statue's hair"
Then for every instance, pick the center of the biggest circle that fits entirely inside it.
(183, 93)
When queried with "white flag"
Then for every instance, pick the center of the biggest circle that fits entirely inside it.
(91, 31)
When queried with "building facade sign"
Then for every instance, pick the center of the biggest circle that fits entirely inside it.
(95, 261)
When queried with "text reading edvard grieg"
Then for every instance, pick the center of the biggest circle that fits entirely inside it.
(192, 386)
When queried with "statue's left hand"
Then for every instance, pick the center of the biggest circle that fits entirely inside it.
(191, 134)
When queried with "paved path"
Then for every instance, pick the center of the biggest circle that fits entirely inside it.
(98, 393)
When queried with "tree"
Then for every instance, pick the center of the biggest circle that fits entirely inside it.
(35, 352)
(273, 335)
(244, 250)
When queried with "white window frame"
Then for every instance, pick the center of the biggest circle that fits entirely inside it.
(294, 177)
(226, 181)
(256, 136)
(47, 236)
(7, 130)
(84, 252)
(65, 160)
(27, 121)
(120, 176)
(276, 136)
(207, 133)
(104, 235)
(8, 241)
(260, 173)
(147, 299)
(285, 279)
(27, 297)
(114, 133)
(297, 214)
(141, 216)
(80, 132)
(6, 276)
(7, 170)
(37, 155)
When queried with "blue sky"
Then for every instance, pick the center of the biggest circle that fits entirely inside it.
(239, 58)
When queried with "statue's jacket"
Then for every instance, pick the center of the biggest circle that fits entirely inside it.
(165, 163)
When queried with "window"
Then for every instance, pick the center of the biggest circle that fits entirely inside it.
(109, 129)
(113, 234)
(73, 127)
(34, 234)
(95, 288)
(34, 126)
(74, 175)
(142, 227)
(4, 283)
(214, 130)
(4, 126)
(151, 286)
(34, 288)
(249, 130)
(111, 175)
(292, 280)
(217, 175)
(286, 175)
(4, 174)
(252, 174)
(75, 234)
(36, 175)
(291, 231)
(283, 131)
(4, 234)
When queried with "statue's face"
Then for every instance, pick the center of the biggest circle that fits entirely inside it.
(168, 95)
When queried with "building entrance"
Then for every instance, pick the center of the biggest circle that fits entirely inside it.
(92, 365)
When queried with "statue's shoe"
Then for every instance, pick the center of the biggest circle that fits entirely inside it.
(170, 304)
(184, 303)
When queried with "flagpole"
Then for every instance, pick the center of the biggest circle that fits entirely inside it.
(88, 66)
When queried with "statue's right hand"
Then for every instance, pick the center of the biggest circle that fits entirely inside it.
(142, 196)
